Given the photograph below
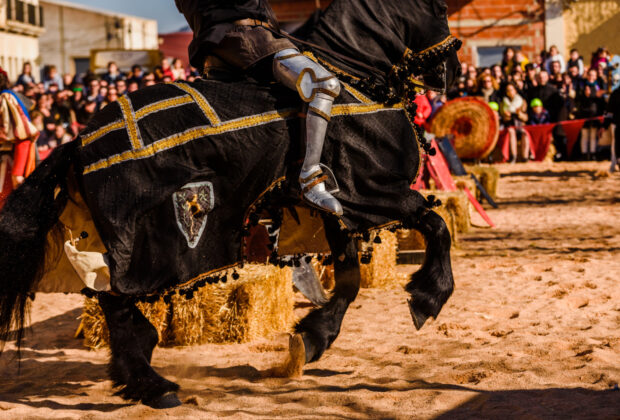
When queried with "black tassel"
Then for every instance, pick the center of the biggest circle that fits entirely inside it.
(89, 293)
(377, 239)
(235, 275)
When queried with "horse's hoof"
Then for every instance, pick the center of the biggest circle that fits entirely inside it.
(293, 367)
(168, 400)
(418, 317)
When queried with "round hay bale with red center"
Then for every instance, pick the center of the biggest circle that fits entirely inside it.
(473, 125)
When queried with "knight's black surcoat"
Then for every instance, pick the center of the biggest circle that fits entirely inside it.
(211, 20)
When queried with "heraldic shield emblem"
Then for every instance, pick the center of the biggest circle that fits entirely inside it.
(192, 205)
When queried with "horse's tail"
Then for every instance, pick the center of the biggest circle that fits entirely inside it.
(29, 214)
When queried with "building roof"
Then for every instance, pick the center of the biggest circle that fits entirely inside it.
(91, 9)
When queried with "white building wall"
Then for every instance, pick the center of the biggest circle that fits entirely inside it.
(18, 43)
(17, 49)
(72, 32)
(554, 26)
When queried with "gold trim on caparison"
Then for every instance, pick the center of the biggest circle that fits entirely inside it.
(204, 105)
(190, 135)
(357, 109)
(95, 135)
(163, 105)
(130, 122)
(357, 94)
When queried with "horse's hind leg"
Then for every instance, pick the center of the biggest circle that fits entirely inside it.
(320, 327)
(132, 340)
(431, 286)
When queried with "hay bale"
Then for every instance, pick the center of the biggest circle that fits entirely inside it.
(95, 329)
(381, 272)
(410, 240)
(325, 273)
(448, 216)
(257, 305)
(457, 204)
(488, 177)
(466, 181)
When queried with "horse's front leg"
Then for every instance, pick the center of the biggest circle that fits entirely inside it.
(431, 286)
(132, 340)
(317, 331)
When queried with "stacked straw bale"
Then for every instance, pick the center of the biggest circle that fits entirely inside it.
(95, 329)
(257, 305)
(381, 272)
(325, 273)
(410, 240)
(454, 210)
(466, 181)
(488, 177)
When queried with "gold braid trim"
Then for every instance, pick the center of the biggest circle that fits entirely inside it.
(131, 122)
(118, 125)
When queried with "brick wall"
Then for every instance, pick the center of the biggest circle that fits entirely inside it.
(497, 23)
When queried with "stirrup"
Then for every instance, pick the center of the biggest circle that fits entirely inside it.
(320, 198)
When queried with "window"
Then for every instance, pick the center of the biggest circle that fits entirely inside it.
(41, 16)
(20, 11)
(9, 10)
(82, 65)
(489, 56)
(32, 14)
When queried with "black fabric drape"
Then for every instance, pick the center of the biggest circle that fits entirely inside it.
(373, 154)
(377, 33)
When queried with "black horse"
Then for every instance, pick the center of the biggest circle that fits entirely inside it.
(175, 176)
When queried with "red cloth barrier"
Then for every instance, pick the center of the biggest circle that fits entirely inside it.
(503, 143)
(541, 136)
(572, 130)
(540, 139)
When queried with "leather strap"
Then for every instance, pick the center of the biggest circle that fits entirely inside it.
(310, 177)
(314, 183)
(251, 22)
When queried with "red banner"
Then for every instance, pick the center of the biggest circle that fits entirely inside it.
(541, 136)
(540, 139)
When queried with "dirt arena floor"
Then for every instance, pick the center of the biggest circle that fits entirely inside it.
(532, 332)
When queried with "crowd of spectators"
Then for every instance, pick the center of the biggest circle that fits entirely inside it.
(548, 89)
(62, 105)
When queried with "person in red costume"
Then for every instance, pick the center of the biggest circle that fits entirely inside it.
(17, 140)
(424, 110)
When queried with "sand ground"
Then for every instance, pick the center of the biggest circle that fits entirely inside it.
(532, 331)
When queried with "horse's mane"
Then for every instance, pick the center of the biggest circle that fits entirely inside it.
(377, 32)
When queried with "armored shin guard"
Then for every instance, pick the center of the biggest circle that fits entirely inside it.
(318, 88)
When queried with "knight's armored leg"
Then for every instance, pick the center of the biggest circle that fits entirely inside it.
(317, 87)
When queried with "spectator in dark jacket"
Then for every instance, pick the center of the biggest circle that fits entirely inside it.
(589, 105)
(548, 94)
(538, 114)
(113, 74)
